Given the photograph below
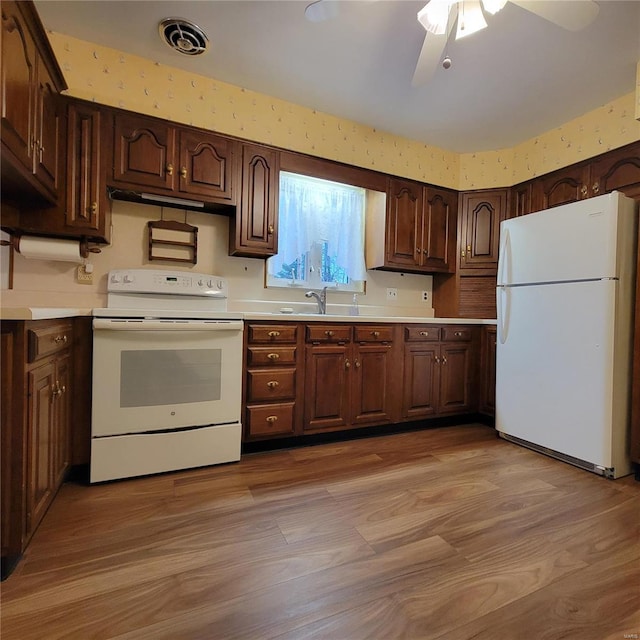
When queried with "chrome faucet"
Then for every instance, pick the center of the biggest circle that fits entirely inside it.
(320, 299)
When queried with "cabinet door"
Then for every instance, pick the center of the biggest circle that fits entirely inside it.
(18, 85)
(254, 229)
(60, 444)
(618, 170)
(488, 371)
(561, 187)
(206, 166)
(326, 388)
(439, 230)
(370, 379)
(455, 379)
(421, 380)
(144, 153)
(87, 206)
(48, 133)
(481, 214)
(404, 223)
(41, 435)
(521, 200)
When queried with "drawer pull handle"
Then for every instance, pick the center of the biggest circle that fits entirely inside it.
(444, 360)
(169, 169)
(273, 356)
(273, 334)
(270, 229)
(424, 333)
(59, 339)
(58, 391)
(595, 188)
(272, 384)
(183, 172)
(329, 334)
(375, 334)
(437, 359)
(272, 419)
(457, 333)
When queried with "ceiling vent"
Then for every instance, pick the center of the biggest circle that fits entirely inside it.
(183, 36)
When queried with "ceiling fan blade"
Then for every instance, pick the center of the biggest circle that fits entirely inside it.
(431, 51)
(429, 58)
(572, 16)
(321, 10)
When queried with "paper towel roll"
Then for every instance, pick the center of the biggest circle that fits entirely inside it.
(49, 249)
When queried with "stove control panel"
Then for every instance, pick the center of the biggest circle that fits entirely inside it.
(161, 282)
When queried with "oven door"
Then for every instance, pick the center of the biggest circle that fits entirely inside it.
(155, 375)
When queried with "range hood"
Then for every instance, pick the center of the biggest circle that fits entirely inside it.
(170, 201)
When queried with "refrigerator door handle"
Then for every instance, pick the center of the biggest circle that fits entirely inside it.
(504, 256)
(502, 305)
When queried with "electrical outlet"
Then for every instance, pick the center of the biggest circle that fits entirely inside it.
(83, 276)
(425, 296)
(392, 294)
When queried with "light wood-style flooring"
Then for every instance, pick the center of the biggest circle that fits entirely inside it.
(445, 533)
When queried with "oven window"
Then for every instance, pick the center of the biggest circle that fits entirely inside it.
(173, 376)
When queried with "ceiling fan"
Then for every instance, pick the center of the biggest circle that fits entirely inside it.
(438, 17)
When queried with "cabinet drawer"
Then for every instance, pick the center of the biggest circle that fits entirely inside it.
(270, 419)
(272, 333)
(382, 333)
(328, 333)
(44, 341)
(456, 334)
(279, 384)
(270, 356)
(421, 333)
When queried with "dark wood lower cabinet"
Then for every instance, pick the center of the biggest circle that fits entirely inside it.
(488, 370)
(37, 375)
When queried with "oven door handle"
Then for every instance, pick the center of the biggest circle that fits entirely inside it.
(167, 325)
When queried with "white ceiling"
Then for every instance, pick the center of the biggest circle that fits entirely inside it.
(516, 79)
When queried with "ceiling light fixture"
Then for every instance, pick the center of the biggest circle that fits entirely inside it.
(435, 15)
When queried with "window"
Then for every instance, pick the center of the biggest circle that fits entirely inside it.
(320, 236)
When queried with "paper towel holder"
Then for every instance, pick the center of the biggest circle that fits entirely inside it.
(85, 249)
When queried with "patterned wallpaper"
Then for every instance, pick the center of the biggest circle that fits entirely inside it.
(130, 82)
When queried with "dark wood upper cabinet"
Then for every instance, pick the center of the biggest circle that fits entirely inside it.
(161, 158)
(521, 199)
(561, 187)
(481, 213)
(416, 231)
(143, 153)
(617, 170)
(254, 229)
(30, 80)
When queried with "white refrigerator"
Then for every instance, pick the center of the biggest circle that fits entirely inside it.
(565, 327)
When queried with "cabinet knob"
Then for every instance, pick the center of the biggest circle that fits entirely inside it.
(583, 190)
(424, 333)
(463, 254)
(437, 358)
(444, 360)
(93, 208)
(273, 356)
(357, 364)
(273, 334)
(183, 172)
(270, 230)
(347, 364)
(596, 187)
(272, 419)
(457, 333)
(375, 334)
(169, 169)
(272, 384)
(58, 390)
(59, 339)
(329, 334)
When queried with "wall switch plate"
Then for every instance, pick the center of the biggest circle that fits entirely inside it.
(83, 276)
(425, 296)
(392, 293)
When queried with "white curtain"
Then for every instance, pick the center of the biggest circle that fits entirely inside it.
(313, 210)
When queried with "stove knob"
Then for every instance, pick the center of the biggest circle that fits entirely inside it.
(201, 283)
(127, 279)
(210, 284)
(115, 278)
(220, 284)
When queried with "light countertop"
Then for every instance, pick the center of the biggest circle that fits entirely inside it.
(48, 313)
